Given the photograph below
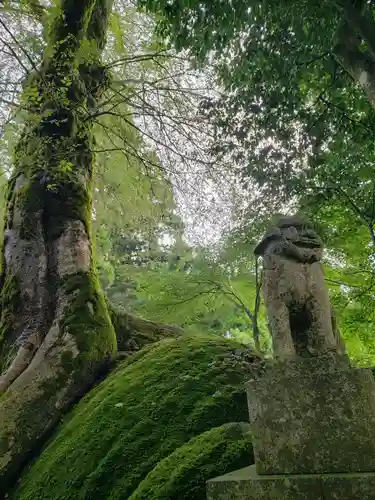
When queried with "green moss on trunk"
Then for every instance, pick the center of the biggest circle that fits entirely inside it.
(52, 305)
(87, 317)
(53, 164)
(9, 304)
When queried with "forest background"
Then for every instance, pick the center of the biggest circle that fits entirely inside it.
(144, 147)
(197, 148)
(184, 187)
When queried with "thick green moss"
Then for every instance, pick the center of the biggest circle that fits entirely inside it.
(151, 405)
(87, 317)
(183, 474)
(9, 303)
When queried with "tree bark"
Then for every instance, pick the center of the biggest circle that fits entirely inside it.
(55, 329)
(360, 64)
(359, 17)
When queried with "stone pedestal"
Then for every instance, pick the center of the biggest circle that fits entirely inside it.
(246, 484)
(313, 424)
(312, 415)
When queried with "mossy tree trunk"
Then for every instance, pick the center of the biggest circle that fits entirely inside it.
(55, 330)
(355, 47)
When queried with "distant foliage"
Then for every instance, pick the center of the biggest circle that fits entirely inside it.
(295, 122)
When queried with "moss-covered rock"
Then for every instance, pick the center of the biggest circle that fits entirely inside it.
(149, 407)
(183, 474)
(133, 332)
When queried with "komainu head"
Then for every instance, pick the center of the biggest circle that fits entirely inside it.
(293, 237)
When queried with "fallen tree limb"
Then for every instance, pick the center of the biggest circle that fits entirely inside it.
(133, 332)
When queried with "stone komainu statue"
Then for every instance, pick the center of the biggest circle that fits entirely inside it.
(299, 313)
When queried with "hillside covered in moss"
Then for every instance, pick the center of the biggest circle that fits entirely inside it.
(165, 408)
(182, 475)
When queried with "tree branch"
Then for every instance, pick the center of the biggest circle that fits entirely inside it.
(193, 297)
(15, 55)
(23, 50)
(344, 113)
(32, 6)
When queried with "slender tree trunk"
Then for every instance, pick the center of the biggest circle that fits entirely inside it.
(55, 330)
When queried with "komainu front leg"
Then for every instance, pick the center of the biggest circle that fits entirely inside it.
(278, 317)
(322, 339)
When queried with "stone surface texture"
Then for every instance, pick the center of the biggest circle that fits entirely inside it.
(246, 484)
(312, 415)
(295, 295)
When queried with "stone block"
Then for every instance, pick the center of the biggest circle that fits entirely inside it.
(312, 415)
(246, 484)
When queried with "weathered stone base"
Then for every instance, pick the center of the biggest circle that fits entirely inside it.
(246, 484)
(311, 416)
